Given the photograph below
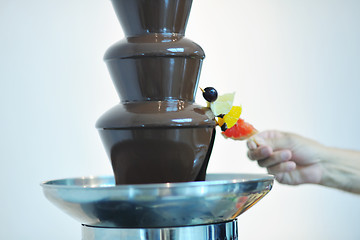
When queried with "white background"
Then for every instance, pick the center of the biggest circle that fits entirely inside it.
(295, 66)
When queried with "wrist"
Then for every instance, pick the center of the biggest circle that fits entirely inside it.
(340, 169)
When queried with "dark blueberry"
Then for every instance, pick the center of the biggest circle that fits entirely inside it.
(210, 94)
(224, 127)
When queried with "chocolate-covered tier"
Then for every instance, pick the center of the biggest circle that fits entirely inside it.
(156, 133)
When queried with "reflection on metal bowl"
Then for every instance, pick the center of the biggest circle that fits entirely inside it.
(97, 201)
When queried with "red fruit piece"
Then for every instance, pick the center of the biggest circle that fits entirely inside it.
(240, 131)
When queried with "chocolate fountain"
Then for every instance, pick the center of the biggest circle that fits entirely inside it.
(156, 133)
(158, 141)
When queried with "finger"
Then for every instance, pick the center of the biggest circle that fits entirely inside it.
(276, 157)
(275, 139)
(287, 166)
(259, 153)
(251, 144)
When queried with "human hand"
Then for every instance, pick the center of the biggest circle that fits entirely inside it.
(291, 158)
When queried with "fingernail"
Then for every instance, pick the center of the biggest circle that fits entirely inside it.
(285, 155)
(251, 144)
(259, 140)
(290, 166)
(264, 152)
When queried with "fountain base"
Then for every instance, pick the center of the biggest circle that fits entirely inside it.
(218, 231)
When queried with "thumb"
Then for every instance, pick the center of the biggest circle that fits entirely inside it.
(277, 140)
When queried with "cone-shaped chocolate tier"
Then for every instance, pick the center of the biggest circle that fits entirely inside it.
(155, 67)
(156, 134)
(140, 17)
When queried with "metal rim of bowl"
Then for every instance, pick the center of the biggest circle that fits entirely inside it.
(59, 183)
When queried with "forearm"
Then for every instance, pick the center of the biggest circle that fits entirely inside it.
(341, 169)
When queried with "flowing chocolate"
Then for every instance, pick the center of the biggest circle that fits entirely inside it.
(156, 133)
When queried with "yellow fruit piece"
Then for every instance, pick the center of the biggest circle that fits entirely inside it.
(223, 104)
(220, 121)
(233, 116)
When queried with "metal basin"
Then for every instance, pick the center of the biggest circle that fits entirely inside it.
(97, 201)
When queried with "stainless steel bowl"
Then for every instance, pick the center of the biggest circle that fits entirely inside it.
(97, 201)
